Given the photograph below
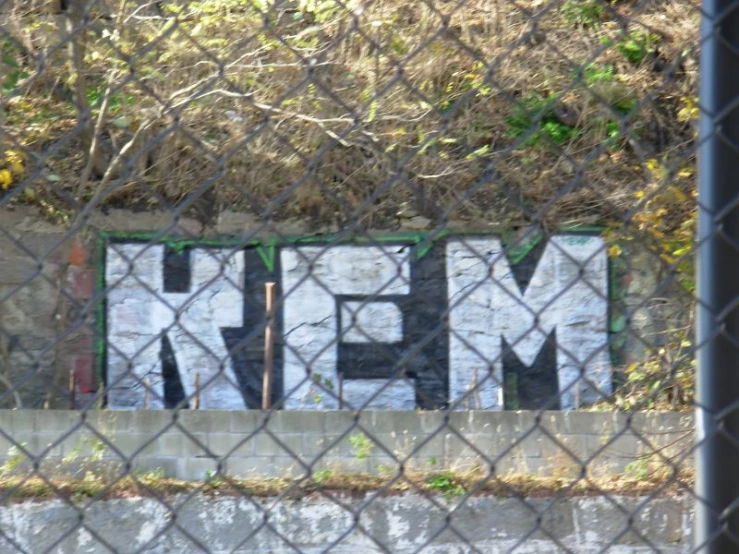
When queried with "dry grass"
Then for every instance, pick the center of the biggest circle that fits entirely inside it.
(449, 484)
(413, 107)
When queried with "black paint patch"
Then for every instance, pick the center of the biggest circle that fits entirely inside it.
(423, 352)
(174, 392)
(246, 344)
(176, 270)
(524, 270)
(535, 387)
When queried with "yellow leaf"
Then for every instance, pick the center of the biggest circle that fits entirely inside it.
(640, 194)
(6, 179)
(614, 251)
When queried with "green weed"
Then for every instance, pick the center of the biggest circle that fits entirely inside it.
(523, 120)
(362, 445)
(15, 458)
(587, 13)
(636, 46)
(445, 483)
(322, 475)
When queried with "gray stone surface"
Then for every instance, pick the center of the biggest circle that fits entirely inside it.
(249, 443)
(359, 524)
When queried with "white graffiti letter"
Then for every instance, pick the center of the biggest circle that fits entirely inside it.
(568, 292)
(139, 311)
(311, 279)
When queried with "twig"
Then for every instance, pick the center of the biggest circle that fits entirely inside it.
(84, 177)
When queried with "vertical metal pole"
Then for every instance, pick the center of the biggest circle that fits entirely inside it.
(269, 347)
(717, 380)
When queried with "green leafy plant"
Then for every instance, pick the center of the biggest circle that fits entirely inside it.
(214, 479)
(638, 469)
(322, 475)
(445, 483)
(594, 74)
(362, 445)
(15, 458)
(636, 46)
(523, 120)
(583, 13)
(11, 72)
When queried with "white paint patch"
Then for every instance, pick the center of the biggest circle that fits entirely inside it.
(139, 312)
(311, 278)
(567, 293)
(380, 394)
(368, 322)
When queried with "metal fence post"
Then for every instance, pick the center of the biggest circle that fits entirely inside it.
(717, 381)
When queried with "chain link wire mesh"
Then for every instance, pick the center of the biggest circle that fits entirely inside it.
(478, 215)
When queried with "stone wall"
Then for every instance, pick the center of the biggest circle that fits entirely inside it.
(400, 524)
(189, 444)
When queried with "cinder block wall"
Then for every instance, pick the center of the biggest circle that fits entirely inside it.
(188, 444)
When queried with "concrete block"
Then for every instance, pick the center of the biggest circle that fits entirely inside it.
(111, 422)
(151, 422)
(421, 451)
(293, 421)
(291, 444)
(662, 422)
(339, 421)
(626, 445)
(172, 444)
(196, 469)
(241, 447)
(430, 422)
(245, 422)
(6, 422)
(387, 422)
(245, 468)
(594, 423)
(135, 445)
(221, 444)
(205, 421)
(553, 422)
(461, 455)
(169, 467)
(314, 445)
(342, 464)
(265, 446)
(195, 444)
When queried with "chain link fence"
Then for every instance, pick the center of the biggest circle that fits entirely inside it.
(324, 275)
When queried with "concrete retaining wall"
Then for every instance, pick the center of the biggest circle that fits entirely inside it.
(188, 444)
(399, 524)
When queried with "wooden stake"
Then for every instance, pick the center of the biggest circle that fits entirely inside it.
(72, 389)
(269, 346)
(146, 393)
(196, 398)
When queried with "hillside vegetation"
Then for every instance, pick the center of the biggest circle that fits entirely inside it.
(567, 112)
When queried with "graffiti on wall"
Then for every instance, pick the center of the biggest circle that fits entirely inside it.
(458, 324)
